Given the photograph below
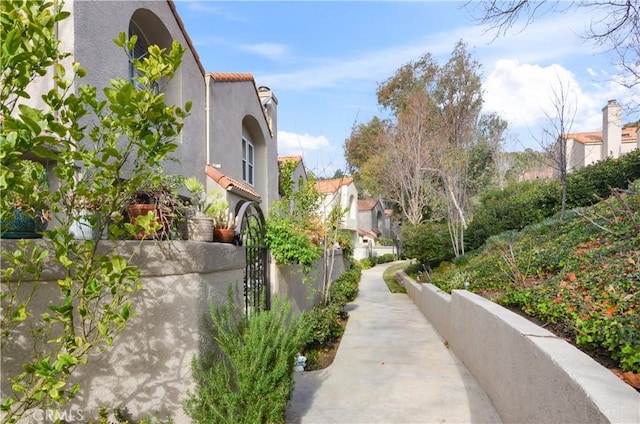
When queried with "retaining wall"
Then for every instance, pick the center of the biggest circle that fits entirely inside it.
(531, 375)
(149, 368)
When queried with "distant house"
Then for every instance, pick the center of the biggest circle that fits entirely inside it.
(299, 173)
(613, 141)
(340, 192)
(372, 222)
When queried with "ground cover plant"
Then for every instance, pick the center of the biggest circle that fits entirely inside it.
(580, 278)
(325, 324)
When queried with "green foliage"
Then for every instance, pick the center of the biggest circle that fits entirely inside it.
(86, 139)
(582, 274)
(387, 257)
(324, 324)
(248, 379)
(521, 204)
(428, 242)
(290, 224)
(345, 288)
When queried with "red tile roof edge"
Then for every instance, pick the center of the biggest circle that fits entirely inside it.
(229, 183)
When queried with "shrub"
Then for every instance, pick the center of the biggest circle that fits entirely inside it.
(322, 325)
(521, 204)
(387, 257)
(248, 378)
(429, 242)
(345, 289)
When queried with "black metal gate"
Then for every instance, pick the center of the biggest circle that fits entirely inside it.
(252, 234)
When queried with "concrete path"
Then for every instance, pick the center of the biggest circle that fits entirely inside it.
(391, 367)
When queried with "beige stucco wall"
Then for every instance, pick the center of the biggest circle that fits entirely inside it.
(149, 369)
(531, 375)
(305, 291)
(235, 110)
(96, 23)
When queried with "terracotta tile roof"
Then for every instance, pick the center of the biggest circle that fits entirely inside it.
(388, 212)
(283, 159)
(367, 204)
(333, 185)
(232, 77)
(629, 134)
(219, 77)
(230, 184)
(364, 233)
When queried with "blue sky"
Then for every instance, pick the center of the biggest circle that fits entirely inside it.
(324, 60)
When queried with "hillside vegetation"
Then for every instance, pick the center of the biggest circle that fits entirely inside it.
(579, 278)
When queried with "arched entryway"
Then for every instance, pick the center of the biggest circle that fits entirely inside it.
(251, 233)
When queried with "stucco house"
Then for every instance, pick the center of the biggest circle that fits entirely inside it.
(372, 222)
(241, 133)
(299, 174)
(229, 139)
(340, 192)
(613, 141)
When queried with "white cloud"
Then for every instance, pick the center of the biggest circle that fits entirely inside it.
(290, 143)
(269, 50)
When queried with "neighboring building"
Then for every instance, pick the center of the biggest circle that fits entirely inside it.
(613, 141)
(241, 132)
(299, 175)
(340, 192)
(230, 134)
(372, 222)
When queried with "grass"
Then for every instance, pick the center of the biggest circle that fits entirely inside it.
(390, 279)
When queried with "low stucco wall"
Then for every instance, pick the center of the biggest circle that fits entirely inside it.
(149, 369)
(531, 375)
(305, 291)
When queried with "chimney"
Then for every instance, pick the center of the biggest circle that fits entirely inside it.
(270, 105)
(611, 130)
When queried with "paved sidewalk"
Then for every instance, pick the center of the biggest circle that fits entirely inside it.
(391, 367)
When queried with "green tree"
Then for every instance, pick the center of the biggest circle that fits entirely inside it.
(87, 141)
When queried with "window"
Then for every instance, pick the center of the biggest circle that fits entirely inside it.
(140, 51)
(247, 161)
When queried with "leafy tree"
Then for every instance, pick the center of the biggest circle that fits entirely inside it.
(427, 158)
(291, 222)
(88, 142)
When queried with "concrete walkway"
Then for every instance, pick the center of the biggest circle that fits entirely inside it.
(391, 367)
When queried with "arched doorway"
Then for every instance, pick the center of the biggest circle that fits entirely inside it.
(252, 236)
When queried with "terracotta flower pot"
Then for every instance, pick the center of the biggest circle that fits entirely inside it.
(143, 209)
(223, 235)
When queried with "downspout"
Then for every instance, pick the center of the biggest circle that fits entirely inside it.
(207, 118)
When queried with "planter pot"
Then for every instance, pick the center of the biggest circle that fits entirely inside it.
(223, 235)
(142, 209)
(198, 229)
(82, 229)
(25, 224)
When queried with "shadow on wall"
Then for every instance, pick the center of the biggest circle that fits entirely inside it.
(148, 371)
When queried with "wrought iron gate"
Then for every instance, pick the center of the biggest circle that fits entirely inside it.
(251, 232)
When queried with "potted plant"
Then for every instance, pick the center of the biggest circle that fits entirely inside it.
(25, 212)
(159, 196)
(197, 226)
(84, 208)
(224, 221)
